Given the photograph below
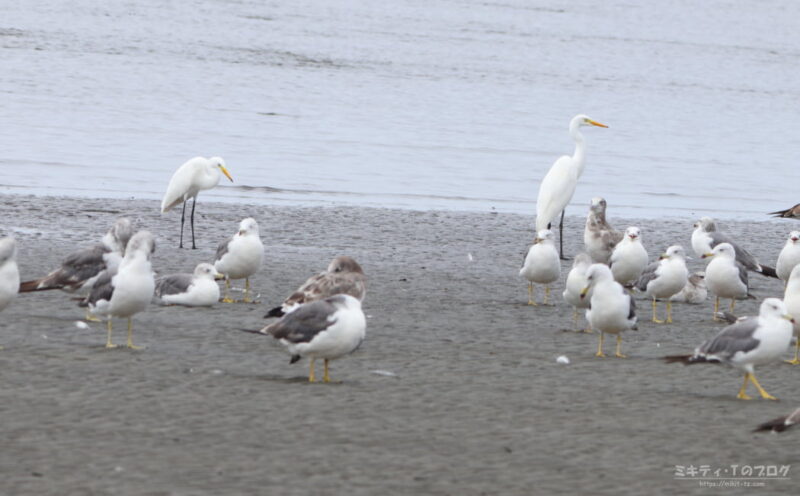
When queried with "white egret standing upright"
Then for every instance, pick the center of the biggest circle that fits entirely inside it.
(191, 178)
(558, 186)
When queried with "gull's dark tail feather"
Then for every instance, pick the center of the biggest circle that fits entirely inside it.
(775, 425)
(768, 271)
(689, 359)
(275, 312)
(788, 213)
(36, 285)
(251, 331)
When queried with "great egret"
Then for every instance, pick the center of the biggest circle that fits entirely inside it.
(130, 290)
(240, 257)
(558, 186)
(192, 177)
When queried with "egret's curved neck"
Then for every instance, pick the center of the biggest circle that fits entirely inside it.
(210, 177)
(579, 157)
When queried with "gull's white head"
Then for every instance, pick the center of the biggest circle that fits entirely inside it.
(794, 236)
(119, 235)
(705, 224)
(582, 259)
(143, 242)
(8, 250)
(598, 204)
(248, 226)
(721, 250)
(544, 236)
(206, 270)
(774, 308)
(596, 273)
(218, 163)
(344, 264)
(674, 252)
(633, 233)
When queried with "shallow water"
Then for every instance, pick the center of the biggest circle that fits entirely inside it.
(425, 105)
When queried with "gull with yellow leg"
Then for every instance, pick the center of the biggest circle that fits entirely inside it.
(240, 257)
(791, 298)
(664, 278)
(576, 281)
(746, 343)
(541, 265)
(725, 276)
(612, 309)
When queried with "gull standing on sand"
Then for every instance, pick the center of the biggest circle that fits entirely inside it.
(780, 424)
(629, 258)
(558, 185)
(695, 290)
(191, 178)
(541, 265)
(198, 289)
(599, 238)
(612, 308)
(129, 291)
(788, 257)
(705, 237)
(343, 276)
(327, 329)
(82, 268)
(576, 281)
(791, 298)
(747, 343)
(240, 257)
(725, 276)
(665, 278)
(9, 272)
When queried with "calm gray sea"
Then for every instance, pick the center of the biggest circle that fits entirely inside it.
(414, 104)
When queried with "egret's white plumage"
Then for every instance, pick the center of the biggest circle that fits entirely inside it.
(612, 308)
(9, 272)
(789, 256)
(748, 342)
(240, 257)
(576, 281)
(558, 185)
(329, 329)
(130, 290)
(725, 276)
(198, 289)
(191, 178)
(791, 298)
(629, 258)
(599, 238)
(541, 265)
(664, 278)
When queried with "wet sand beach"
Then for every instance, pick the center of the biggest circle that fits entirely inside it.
(456, 389)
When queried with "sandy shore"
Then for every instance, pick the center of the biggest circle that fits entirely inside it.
(477, 405)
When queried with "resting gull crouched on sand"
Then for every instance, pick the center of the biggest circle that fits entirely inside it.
(576, 281)
(343, 276)
(194, 176)
(725, 276)
(130, 290)
(705, 237)
(780, 424)
(541, 265)
(240, 257)
(612, 308)
(329, 329)
(198, 289)
(9, 272)
(788, 257)
(665, 278)
(791, 298)
(599, 238)
(695, 290)
(747, 343)
(629, 258)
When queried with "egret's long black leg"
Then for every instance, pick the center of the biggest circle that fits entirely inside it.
(561, 237)
(194, 203)
(183, 216)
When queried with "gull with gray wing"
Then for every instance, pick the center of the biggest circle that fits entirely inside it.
(198, 289)
(725, 276)
(664, 278)
(705, 237)
(599, 238)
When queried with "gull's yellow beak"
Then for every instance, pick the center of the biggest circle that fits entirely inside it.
(663, 256)
(225, 171)
(706, 255)
(788, 317)
(584, 292)
(219, 276)
(595, 123)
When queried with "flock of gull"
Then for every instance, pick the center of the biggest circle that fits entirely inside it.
(323, 318)
(614, 265)
(114, 278)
